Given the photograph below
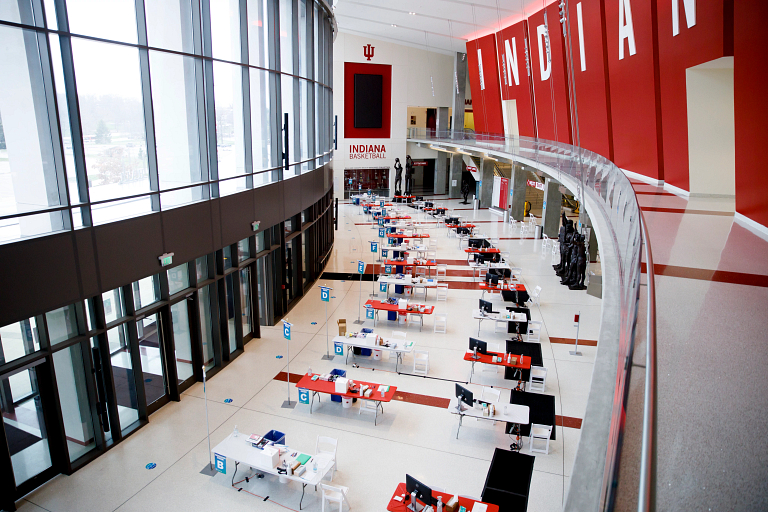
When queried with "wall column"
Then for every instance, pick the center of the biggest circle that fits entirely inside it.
(486, 185)
(441, 163)
(457, 121)
(517, 185)
(553, 200)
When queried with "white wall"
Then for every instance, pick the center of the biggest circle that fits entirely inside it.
(411, 71)
(711, 137)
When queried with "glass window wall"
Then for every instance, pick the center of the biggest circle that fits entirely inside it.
(206, 326)
(225, 29)
(146, 291)
(75, 401)
(230, 143)
(124, 378)
(245, 300)
(18, 340)
(178, 278)
(182, 340)
(169, 24)
(62, 324)
(114, 20)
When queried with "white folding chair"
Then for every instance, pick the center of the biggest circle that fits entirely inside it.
(400, 335)
(441, 323)
(544, 242)
(537, 381)
(441, 270)
(542, 434)
(535, 296)
(534, 331)
(328, 445)
(368, 407)
(333, 494)
(516, 273)
(431, 254)
(420, 362)
(442, 291)
(493, 347)
(500, 326)
(416, 317)
(490, 395)
(420, 291)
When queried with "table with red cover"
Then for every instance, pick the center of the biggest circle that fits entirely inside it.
(322, 386)
(402, 506)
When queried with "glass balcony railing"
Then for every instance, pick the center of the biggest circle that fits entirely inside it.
(609, 199)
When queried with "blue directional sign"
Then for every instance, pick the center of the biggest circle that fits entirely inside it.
(221, 463)
(374, 246)
(325, 294)
(360, 267)
(303, 396)
(338, 349)
(286, 330)
(381, 232)
(369, 312)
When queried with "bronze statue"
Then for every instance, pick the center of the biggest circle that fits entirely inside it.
(408, 175)
(398, 177)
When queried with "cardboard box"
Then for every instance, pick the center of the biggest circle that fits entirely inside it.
(342, 326)
(342, 385)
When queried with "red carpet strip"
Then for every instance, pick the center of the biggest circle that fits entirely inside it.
(441, 403)
(571, 341)
(703, 274)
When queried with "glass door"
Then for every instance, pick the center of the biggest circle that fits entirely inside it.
(151, 346)
(24, 426)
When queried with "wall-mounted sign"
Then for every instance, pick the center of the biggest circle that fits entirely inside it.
(472, 169)
(367, 151)
(536, 184)
(368, 51)
(419, 163)
(166, 259)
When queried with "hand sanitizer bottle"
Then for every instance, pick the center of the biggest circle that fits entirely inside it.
(235, 433)
(439, 504)
(309, 371)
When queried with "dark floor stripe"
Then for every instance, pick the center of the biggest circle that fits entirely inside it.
(703, 274)
(441, 403)
(571, 341)
(453, 262)
(567, 421)
(684, 211)
(516, 238)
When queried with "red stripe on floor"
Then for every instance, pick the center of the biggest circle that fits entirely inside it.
(567, 421)
(571, 341)
(294, 377)
(415, 398)
(703, 274)
(453, 262)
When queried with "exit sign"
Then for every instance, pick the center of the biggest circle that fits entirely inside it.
(166, 259)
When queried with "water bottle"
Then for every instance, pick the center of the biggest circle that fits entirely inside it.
(235, 433)
(309, 371)
(439, 504)
(314, 466)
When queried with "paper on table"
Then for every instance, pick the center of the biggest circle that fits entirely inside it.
(479, 507)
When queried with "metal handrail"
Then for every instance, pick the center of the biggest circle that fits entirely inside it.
(605, 185)
(646, 501)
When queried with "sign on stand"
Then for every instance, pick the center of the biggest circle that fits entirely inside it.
(221, 463)
(575, 351)
(287, 335)
(325, 296)
(361, 271)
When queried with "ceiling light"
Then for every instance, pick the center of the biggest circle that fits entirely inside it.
(394, 25)
(412, 13)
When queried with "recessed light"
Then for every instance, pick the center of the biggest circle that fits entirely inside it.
(412, 13)
(394, 25)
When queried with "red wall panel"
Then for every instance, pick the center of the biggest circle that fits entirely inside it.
(520, 91)
(634, 102)
(350, 70)
(592, 88)
(552, 92)
(750, 73)
(700, 43)
(486, 96)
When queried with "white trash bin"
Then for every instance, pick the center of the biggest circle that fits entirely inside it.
(346, 402)
(376, 355)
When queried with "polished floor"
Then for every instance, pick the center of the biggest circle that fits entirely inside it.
(711, 303)
(415, 435)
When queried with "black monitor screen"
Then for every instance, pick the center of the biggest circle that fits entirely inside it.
(423, 493)
(482, 347)
(464, 395)
(486, 306)
(488, 277)
(495, 280)
(368, 101)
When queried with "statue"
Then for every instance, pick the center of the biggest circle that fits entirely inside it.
(564, 247)
(398, 177)
(408, 175)
(464, 191)
(569, 276)
(580, 268)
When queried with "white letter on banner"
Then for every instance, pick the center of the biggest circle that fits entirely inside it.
(511, 61)
(480, 69)
(541, 34)
(581, 36)
(690, 14)
(625, 28)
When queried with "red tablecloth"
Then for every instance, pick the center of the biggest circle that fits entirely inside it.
(510, 287)
(400, 506)
(486, 358)
(396, 217)
(399, 235)
(474, 250)
(322, 386)
(404, 263)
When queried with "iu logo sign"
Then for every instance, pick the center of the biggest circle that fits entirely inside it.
(368, 51)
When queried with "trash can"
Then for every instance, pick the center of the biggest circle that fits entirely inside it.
(537, 231)
(346, 403)
(275, 436)
(376, 355)
(476, 204)
(340, 373)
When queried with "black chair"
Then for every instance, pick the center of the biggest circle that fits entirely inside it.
(508, 482)
(542, 411)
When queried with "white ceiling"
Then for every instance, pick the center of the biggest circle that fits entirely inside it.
(438, 25)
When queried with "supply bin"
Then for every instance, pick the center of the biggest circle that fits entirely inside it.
(340, 373)
(275, 436)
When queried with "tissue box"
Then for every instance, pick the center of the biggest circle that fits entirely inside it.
(342, 385)
(342, 326)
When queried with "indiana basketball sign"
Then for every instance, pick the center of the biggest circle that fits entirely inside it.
(368, 51)
(367, 151)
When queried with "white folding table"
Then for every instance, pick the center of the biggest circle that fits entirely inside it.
(512, 413)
